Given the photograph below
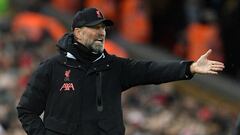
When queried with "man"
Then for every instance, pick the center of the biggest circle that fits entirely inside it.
(80, 89)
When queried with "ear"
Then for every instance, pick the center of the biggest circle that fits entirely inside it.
(77, 33)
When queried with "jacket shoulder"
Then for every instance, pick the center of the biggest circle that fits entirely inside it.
(117, 58)
(51, 60)
(46, 65)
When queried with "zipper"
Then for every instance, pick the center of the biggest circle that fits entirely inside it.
(99, 100)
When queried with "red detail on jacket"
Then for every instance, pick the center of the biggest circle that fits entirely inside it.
(67, 73)
(67, 87)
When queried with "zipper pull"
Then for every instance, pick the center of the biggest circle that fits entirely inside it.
(99, 100)
(99, 104)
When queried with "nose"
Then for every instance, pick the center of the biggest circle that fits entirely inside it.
(102, 31)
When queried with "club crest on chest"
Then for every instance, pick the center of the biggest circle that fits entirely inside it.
(67, 85)
(67, 75)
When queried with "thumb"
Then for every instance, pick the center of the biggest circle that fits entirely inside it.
(207, 53)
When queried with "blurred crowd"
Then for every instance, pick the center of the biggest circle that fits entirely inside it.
(162, 110)
(29, 30)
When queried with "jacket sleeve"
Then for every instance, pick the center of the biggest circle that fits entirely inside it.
(149, 72)
(33, 100)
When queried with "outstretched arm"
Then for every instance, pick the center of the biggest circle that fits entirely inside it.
(205, 66)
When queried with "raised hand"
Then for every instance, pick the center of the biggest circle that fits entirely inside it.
(205, 66)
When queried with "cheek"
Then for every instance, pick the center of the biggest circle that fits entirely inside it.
(90, 35)
(85, 36)
(89, 38)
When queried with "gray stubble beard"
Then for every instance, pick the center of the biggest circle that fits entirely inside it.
(96, 48)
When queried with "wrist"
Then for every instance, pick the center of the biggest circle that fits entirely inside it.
(192, 68)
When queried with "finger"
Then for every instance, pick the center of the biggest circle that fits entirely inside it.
(217, 66)
(216, 62)
(207, 53)
(216, 69)
(212, 72)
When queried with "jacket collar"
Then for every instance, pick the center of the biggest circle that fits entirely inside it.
(101, 64)
(72, 49)
(70, 56)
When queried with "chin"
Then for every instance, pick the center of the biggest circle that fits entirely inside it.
(97, 50)
(98, 47)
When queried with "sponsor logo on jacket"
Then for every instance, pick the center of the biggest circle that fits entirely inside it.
(67, 85)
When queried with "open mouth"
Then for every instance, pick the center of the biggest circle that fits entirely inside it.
(100, 40)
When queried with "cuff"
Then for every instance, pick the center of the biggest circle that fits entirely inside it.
(188, 74)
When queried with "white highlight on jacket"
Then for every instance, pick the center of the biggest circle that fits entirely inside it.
(69, 55)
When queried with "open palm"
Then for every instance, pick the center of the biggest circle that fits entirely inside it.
(205, 66)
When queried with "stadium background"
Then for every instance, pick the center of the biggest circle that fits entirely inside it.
(144, 29)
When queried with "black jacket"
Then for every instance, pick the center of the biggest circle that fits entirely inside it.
(87, 101)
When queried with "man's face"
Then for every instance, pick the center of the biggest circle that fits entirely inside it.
(92, 37)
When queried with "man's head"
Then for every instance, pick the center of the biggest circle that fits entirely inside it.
(89, 29)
